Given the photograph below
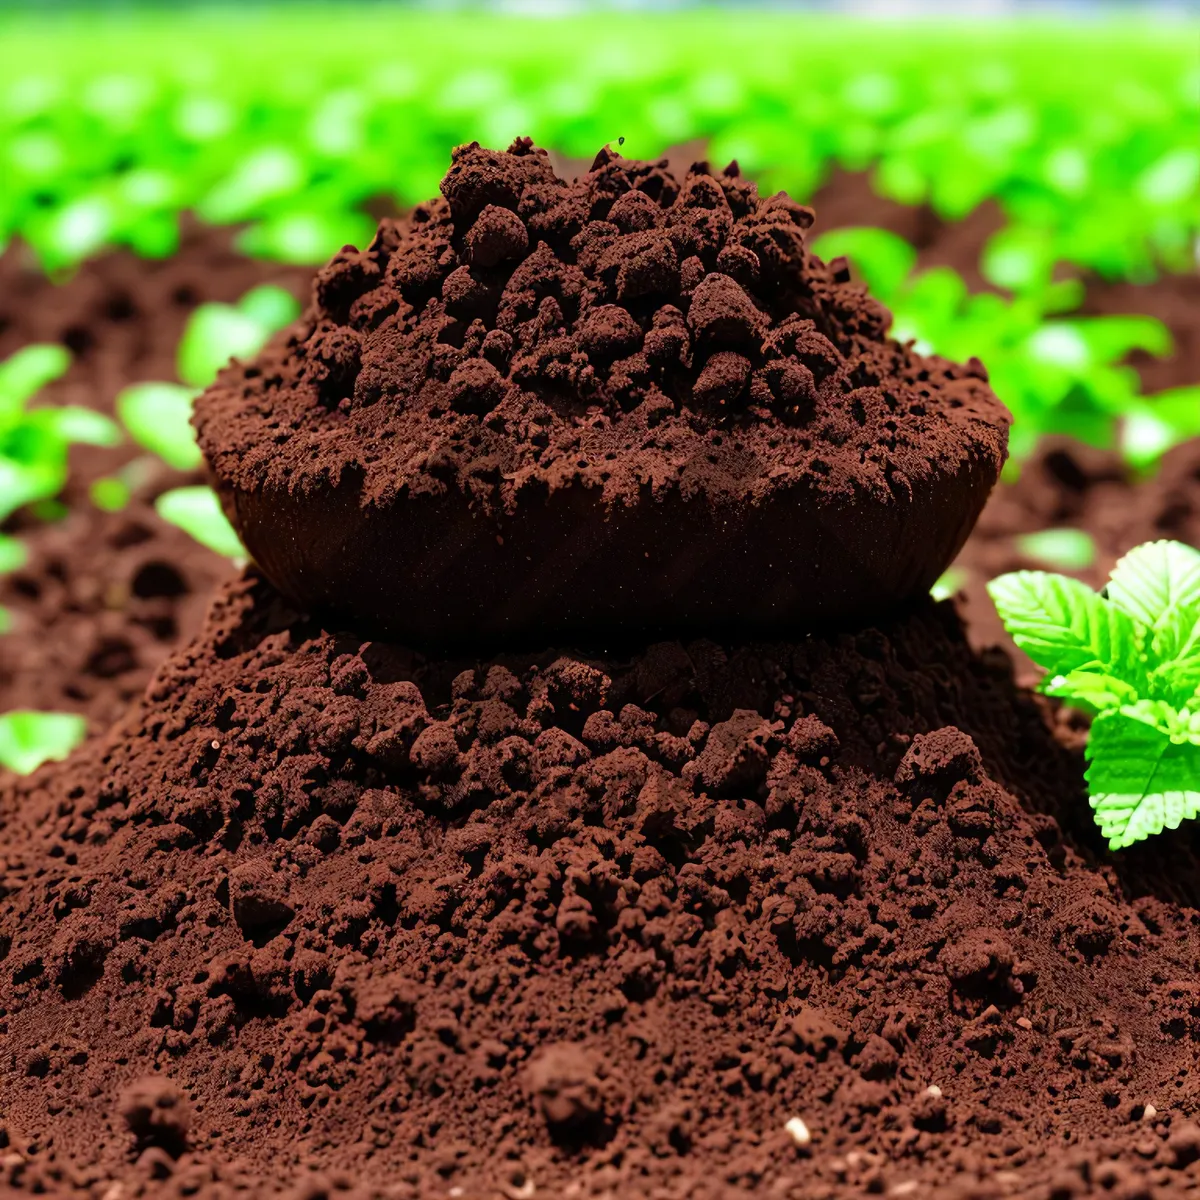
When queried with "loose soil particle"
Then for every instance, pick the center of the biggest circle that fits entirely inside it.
(597, 410)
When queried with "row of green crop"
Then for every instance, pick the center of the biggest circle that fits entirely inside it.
(288, 120)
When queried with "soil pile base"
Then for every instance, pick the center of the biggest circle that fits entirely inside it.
(572, 925)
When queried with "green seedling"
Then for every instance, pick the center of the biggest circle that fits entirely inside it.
(949, 583)
(197, 511)
(34, 442)
(1129, 657)
(28, 739)
(158, 415)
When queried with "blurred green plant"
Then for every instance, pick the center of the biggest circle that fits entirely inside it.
(197, 511)
(1084, 133)
(34, 442)
(1058, 373)
(28, 739)
(158, 415)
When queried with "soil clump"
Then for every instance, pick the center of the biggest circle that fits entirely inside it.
(596, 410)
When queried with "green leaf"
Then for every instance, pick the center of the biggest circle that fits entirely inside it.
(158, 417)
(24, 374)
(951, 581)
(1091, 690)
(109, 494)
(28, 739)
(13, 554)
(1064, 626)
(74, 424)
(1158, 584)
(1140, 780)
(197, 511)
(23, 483)
(882, 259)
(215, 334)
(1067, 549)
(1155, 579)
(271, 306)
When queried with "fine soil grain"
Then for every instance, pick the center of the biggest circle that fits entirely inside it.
(598, 409)
(576, 925)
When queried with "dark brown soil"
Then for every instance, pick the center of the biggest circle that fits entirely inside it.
(518, 931)
(600, 926)
(598, 410)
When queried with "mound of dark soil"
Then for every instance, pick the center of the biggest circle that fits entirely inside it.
(624, 404)
(580, 926)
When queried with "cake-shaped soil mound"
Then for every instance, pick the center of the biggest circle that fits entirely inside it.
(622, 405)
(698, 923)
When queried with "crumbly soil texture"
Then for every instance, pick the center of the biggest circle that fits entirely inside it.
(784, 919)
(597, 410)
(816, 919)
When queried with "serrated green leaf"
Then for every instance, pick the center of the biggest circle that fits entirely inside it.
(158, 417)
(1153, 580)
(197, 511)
(1140, 780)
(1158, 584)
(1064, 626)
(28, 739)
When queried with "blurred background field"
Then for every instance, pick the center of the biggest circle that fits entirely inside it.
(1025, 190)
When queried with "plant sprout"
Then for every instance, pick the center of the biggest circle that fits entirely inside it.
(34, 442)
(197, 511)
(1130, 657)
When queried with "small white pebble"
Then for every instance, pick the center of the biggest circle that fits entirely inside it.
(1024, 1022)
(1149, 1113)
(903, 1189)
(798, 1131)
(934, 1091)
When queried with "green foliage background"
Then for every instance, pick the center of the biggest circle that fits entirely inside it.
(290, 117)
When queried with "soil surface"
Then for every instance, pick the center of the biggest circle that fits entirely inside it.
(573, 924)
(700, 922)
(124, 316)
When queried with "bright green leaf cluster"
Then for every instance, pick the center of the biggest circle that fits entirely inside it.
(1085, 134)
(1131, 657)
(34, 442)
(1057, 373)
